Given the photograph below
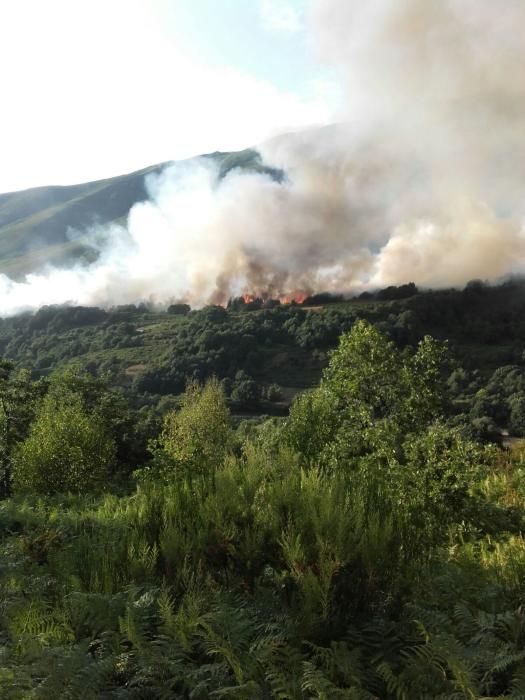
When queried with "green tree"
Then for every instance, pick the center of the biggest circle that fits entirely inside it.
(517, 413)
(377, 418)
(371, 394)
(438, 469)
(197, 437)
(246, 393)
(68, 448)
(127, 428)
(313, 425)
(18, 398)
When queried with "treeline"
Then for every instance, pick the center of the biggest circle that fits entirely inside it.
(264, 357)
(364, 547)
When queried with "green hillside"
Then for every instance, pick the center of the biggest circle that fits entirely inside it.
(266, 353)
(369, 545)
(48, 224)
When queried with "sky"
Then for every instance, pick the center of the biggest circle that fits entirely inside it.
(96, 88)
(421, 180)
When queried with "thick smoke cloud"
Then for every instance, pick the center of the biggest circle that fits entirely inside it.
(424, 181)
(436, 85)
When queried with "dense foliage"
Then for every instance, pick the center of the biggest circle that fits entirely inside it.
(67, 449)
(364, 547)
(265, 353)
(196, 438)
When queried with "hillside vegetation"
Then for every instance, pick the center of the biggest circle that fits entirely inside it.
(366, 546)
(264, 354)
(50, 225)
(265, 500)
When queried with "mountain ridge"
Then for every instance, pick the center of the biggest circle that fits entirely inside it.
(49, 225)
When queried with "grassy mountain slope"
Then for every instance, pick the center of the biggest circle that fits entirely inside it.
(49, 224)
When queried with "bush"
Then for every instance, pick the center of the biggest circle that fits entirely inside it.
(67, 450)
(196, 439)
(246, 393)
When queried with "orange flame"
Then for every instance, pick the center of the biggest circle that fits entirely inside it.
(294, 297)
(297, 297)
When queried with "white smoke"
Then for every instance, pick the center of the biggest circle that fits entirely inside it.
(423, 182)
(436, 85)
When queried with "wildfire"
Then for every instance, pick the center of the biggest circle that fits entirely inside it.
(295, 297)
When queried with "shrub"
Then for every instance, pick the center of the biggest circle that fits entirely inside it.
(67, 449)
(196, 439)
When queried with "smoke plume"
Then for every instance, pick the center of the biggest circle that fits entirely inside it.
(423, 181)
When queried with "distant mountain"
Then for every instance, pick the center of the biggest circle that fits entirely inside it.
(49, 224)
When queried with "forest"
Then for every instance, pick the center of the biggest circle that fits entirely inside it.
(317, 500)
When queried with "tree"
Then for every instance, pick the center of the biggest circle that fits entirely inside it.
(124, 426)
(312, 425)
(246, 393)
(435, 477)
(18, 398)
(377, 419)
(68, 448)
(197, 438)
(371, 393)
(517, 413)
(179, 309)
